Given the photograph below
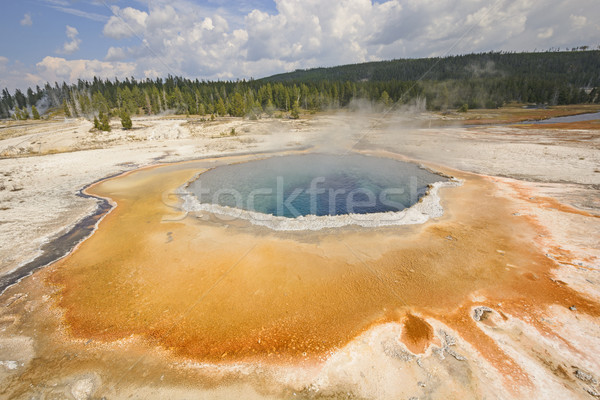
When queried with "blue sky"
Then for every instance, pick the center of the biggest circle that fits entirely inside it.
(49, 18)
(48, 40)
(46, 33)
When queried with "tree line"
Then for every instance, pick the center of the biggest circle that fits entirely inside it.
(486, 80)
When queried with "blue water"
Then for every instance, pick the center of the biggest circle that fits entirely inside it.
(554, 120)
(315, 184)
(569, 118)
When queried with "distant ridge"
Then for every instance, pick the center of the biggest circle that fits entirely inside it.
(581, 68)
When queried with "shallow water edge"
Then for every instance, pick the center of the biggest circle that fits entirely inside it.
(428, 207)
(57, 248)
(64, 244)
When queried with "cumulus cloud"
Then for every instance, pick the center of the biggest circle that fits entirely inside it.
(72, 45)
(178, 37)
(181, 37)
(115, 54)
(59, 69)
(125, 23)
(173, 41)
(26, 21)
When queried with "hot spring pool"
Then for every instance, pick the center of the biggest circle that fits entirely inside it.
(311, 185)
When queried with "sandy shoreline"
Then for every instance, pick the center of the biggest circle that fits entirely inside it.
(566, 239)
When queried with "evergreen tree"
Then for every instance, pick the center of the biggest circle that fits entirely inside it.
(295, 113)
(35, 113)
(220, 108)
(21, 115)
(99, 103)
(7, 99)
(66, 109)
(31, 98)
(126, 120)
(103, 122)
(269, 108)
(238, 108)
(385, 98)
(20, 98)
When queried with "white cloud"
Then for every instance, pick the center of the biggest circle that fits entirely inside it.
(207, 24)
(15, 75)
(125, 22)
(151, 73)
(59, 69)
(578, 21)
(26, 21)
(116, 54)
(72, 45)
(79, 13)
(181, 37)
(545, 33)
(58, 2)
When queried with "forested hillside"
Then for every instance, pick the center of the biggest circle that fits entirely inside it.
(581, 68)
(478, 80)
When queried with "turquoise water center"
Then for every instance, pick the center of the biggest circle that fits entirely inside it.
(315, 184)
